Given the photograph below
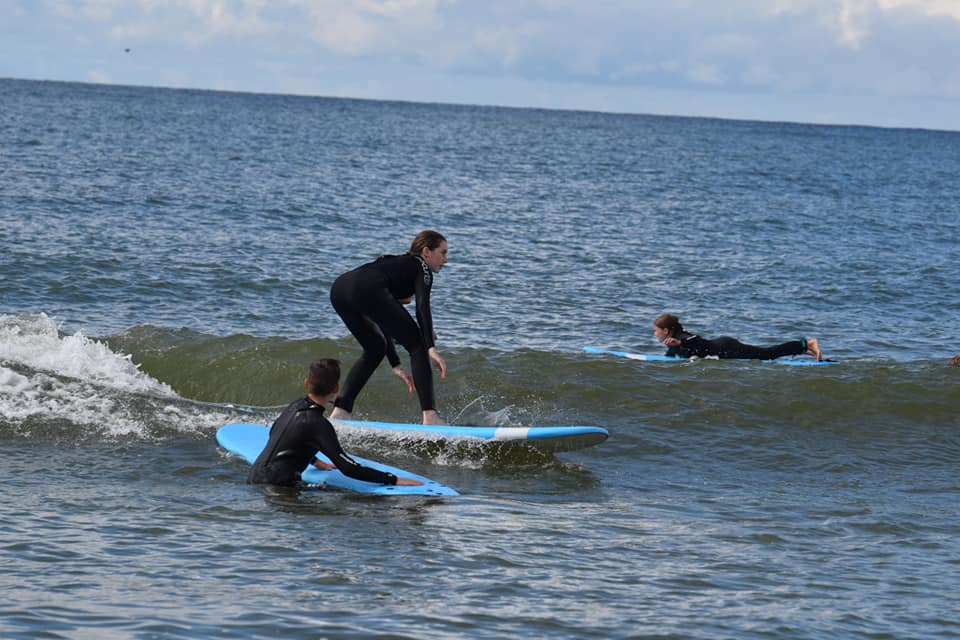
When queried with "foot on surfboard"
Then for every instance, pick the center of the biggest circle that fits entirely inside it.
(433, 419)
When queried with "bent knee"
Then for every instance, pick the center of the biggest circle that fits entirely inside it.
(375, 349)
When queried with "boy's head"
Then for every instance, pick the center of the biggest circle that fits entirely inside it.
(324, 376)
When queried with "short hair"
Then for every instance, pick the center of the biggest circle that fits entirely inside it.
(323, 376)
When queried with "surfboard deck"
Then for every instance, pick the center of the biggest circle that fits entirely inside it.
(634, 356)
(248, 440)
(661, 358)
(544, 438)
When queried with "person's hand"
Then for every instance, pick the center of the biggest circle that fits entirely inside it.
(408, 482)
(323, 466)
(438, 361)
(672, 342)
(406, 377)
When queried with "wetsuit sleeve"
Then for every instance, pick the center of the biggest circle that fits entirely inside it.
(328, 442)
(392, 356)
(421, 289)
(687, 347)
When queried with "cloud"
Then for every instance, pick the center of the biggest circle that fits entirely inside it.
(98, 77)
(935, 8)
(872, 49)
(363, 27)
(187, 22)
(738, 44)
(854, 21)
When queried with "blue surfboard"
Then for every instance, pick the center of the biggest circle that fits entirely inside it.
(633, 356)
(547, 439)
(248, 440)
(659, 358)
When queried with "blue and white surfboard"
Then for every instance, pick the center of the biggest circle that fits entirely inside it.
(248, 440)
(544, 438)
(660, 358)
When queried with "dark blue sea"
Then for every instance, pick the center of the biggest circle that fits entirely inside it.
(165, 264)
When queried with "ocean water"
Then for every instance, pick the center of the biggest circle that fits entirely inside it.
(165, 262)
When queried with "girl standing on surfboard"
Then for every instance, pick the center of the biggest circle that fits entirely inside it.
(668, 330)
(370, 299)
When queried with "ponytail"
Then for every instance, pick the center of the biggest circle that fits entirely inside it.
(425, 240)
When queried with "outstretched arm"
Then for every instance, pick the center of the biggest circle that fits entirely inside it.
(330, 446)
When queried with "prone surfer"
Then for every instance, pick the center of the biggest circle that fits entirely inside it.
(682, 344)
(370, 299)
(302, 430)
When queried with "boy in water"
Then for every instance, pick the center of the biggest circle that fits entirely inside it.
(302, 430)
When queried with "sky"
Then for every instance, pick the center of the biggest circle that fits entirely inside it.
(890, 63)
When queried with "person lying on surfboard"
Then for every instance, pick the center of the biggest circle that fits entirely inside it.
(682, 344)
(370, 299)
(302, 430)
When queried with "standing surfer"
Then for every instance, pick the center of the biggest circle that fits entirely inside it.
(370, 299)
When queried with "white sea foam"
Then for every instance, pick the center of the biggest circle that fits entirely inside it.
(36, 342)
(73, 379)
(12, 382)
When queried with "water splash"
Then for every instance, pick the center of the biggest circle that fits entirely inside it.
(61, 385)
(36, 341)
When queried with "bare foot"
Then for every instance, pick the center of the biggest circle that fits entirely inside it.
(954, 361)
(409, 482)
(431, 418)
(813, 348)
(340, 414)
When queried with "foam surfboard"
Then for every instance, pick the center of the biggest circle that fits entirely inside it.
(659, 358)
(633, 356)
(248, 440)
(548, 439)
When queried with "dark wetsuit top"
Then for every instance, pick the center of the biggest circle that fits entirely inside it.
(367, 299)
(295, 438)
(693, 346)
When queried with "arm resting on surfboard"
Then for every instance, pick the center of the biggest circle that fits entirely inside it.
(350, 467)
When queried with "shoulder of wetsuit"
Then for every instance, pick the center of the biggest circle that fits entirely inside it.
(425, 270)
(306, 404)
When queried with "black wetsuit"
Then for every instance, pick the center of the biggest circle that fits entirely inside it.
(693, 346)
(295, 438)
(367, 299)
